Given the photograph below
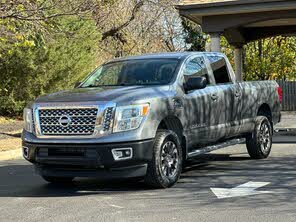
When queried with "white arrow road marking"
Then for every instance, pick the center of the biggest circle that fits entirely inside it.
(245, 189)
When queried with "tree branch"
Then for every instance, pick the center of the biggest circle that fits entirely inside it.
(114, 31)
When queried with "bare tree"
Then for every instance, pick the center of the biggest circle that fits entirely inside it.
(126, 26)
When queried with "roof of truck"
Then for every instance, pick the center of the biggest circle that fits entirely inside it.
(164, 55)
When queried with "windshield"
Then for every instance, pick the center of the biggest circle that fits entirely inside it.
(133, 72)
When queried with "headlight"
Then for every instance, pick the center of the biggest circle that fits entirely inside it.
(28, 120)
(129, 117)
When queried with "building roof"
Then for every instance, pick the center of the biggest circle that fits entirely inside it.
(191, 2)
(208, 7)
(242, 21)
(206, 3)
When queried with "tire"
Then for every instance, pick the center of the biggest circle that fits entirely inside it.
(58, 180)
(259, 142)
(165, 167)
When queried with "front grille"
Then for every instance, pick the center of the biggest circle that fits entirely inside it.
(74, 121)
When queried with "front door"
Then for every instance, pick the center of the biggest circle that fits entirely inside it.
(200, 106)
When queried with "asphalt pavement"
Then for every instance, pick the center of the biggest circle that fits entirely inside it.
(24, 196)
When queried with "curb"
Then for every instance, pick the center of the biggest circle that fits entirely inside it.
(11, 155)
(285, 131)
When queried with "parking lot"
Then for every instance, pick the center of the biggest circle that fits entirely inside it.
(26, 197)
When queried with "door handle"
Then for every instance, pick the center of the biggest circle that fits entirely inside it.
(214, 97)
(237, 94)
(178, 104)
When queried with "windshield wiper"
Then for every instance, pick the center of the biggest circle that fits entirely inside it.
(92, 86)
(89, 86)
(125, 84)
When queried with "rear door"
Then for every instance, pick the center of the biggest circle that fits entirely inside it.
(230, 98)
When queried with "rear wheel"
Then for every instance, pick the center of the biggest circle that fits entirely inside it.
(259, 142)
(58, 180)
(166, 165)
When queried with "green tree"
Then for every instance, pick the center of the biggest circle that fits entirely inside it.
(271, 58)
(45, 62)
(193, 36)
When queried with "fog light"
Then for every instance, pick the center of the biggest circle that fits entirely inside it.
(122, 153)
(26, 152)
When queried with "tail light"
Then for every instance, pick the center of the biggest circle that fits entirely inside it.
(280, 93)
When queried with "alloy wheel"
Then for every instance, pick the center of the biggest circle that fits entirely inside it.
(169, 159)
(265, 137)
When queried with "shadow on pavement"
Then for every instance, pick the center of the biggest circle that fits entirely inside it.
(21, 181)
(210, 170)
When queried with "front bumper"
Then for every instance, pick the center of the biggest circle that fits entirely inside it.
(111, 173)
(88, 160)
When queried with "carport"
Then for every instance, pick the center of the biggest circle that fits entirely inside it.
(241, 21)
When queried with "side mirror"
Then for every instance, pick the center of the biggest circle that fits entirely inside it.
(77, 84)
(194, 83)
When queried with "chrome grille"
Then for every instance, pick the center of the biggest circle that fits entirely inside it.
(33, 122)
(107, 123)
(81, 121)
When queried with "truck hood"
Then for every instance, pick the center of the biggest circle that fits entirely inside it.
(114, 94)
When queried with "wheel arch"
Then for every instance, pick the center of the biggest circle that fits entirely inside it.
(173, 123)
(265, 110)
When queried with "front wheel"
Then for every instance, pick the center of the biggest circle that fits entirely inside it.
(165, 167)
(259, 142)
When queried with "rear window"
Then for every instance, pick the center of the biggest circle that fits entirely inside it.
(220, 70)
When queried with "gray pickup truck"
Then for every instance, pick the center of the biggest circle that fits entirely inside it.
(144, 116)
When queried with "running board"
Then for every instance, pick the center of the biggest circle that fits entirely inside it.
(216, 147)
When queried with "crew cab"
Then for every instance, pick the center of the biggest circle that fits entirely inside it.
(144, 116)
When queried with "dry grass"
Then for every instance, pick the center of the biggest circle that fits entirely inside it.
(6, 120)
(10, 144)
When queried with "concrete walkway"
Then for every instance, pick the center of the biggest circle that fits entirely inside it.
(288, 121)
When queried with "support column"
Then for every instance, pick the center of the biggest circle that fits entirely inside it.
(215, 42)
(238, 60)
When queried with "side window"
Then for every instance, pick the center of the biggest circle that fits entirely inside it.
(196, 67)
(220, 70)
